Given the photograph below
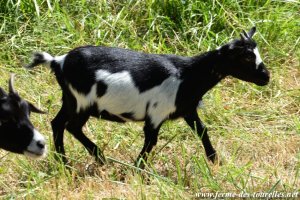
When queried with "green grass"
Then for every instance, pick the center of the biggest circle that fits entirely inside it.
(255, 130)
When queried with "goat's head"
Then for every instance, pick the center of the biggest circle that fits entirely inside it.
(243, 60)
(17, 134)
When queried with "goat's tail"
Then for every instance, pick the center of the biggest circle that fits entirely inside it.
(46, 59)
(40, 58)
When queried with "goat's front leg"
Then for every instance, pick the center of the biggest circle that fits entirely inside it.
(193, 120)
(74, 126)
(151, 134)
(58, 126)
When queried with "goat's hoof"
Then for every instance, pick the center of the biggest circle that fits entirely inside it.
(61, 158)
(91, 168)
(215, 159)
(101, 161)
(140, 163)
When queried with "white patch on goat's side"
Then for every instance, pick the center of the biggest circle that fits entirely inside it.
(33, 150)
(258, 58)
(60, 60)
(123, 97)
(84, 101)
(165, 96)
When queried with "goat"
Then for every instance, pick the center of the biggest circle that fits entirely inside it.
(17, 134)
(122, 85)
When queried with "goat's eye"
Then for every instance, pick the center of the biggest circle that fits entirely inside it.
(248, 58)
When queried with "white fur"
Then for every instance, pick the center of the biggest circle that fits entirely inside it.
(47, 57)
(84, 101)
(33, 150)
(123, 97)
(258, 58)
(60, 60)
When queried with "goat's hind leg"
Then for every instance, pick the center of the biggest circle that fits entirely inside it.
(74, 126)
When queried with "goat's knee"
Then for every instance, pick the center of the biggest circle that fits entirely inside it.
(71, 128)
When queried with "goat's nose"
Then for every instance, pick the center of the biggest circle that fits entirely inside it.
(267, 73)
(263, 69)
(41, 144)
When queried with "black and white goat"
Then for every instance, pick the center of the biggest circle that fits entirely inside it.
(17, 134)
(123, 85)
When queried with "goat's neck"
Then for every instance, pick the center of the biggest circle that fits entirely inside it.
(205, 70)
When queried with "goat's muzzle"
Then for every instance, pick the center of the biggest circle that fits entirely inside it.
(264, 75)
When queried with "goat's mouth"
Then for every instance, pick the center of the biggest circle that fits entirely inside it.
(263, 81)
(35, 155)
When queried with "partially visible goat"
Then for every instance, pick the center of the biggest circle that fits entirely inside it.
(17, 134)
(123, 85)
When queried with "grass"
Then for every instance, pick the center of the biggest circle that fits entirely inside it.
(255, 130)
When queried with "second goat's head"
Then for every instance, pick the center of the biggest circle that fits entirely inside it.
(17, 134)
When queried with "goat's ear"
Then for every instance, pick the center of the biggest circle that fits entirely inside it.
(251, 32)
(34, 109)
(244, 36)
(11, 84)
(2, 93)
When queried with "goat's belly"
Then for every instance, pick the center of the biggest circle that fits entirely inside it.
(124, 107)
(110, 117)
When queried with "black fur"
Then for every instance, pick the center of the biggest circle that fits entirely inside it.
(128, 115)
(101, 88)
